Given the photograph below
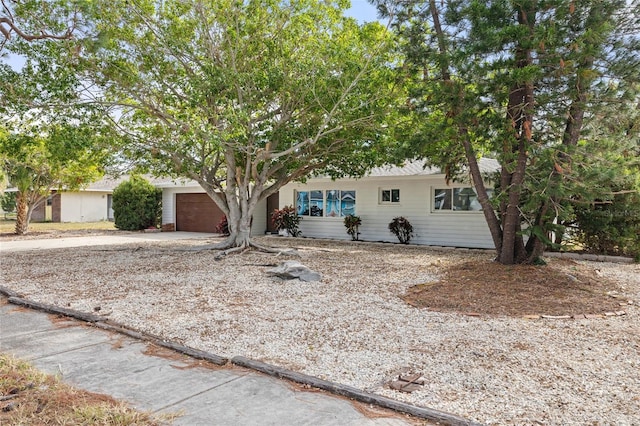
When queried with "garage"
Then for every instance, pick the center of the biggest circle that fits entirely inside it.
(196, 212)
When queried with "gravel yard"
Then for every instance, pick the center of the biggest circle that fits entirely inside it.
(353, 327)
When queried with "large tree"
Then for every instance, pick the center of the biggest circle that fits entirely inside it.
(40, 158)
(31, 20)
(519, 80)
(243, 96)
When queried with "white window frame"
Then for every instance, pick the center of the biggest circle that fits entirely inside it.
(452, 190)
(325, 202)
(390, 190)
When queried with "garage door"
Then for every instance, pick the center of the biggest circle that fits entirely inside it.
(196, 213)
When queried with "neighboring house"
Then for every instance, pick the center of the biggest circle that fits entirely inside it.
(441, 214)
(89, 204)
(92, 203)
(186, 207)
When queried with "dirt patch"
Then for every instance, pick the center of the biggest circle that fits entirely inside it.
(485, 287)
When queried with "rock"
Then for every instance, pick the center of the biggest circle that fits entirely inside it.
(556, 316)
(292, 269)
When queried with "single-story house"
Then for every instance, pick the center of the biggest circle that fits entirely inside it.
(89, 204)
(441, 214)
(187, 207)
(92, 203)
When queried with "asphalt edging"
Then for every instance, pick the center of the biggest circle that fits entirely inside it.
(335, 388)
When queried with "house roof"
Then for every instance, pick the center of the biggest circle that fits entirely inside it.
(418, 168)
(109, 183)
(409, 168)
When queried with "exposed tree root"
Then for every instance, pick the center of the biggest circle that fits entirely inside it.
(226, 247)
(217, 246)
(231, 250)
(275, 250)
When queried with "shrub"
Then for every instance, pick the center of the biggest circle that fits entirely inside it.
(8, 202)
(136, 205)
(223, 226)
(401, 228)
(610, 228)
(286, 219)
(352, 222)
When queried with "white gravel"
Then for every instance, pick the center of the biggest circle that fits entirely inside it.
(353, 328)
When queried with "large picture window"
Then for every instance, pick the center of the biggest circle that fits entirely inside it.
(456, 199)
(328, 203)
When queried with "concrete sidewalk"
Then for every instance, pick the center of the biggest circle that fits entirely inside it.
(162, 381)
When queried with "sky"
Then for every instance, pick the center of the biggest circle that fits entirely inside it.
(363, 11)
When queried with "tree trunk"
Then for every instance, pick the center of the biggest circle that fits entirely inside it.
(22, 214)
(519, 114)
(483, 197)
(239, 221)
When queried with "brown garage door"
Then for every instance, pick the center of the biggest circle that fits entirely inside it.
(196, 213)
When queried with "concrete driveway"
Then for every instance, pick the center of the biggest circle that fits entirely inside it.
(100, 240)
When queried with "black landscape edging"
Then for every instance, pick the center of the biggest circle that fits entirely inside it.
(101, 322)
(8, 292)
(194, 353)
(354, 393)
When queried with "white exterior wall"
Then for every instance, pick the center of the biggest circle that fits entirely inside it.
(450, 228)
(258, 227)
(83, 206)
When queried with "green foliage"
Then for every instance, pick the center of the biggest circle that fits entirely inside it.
(287, 219)
(352, 222)
(8, 202)
(402, 229)
(137, 204)
(38, 157)
(243, 97)
(610, 227)
(526, 82)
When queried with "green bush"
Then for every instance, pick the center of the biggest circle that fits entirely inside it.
(8, 202)
(352, 223)
(610, 228)
(286, 218)
(136, 205)
(402, 229)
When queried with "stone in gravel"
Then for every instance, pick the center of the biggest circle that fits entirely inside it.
(593, 316)
(292, 269)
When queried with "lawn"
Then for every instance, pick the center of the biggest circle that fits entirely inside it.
(7, 226)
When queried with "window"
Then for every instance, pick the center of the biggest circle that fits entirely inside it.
(329, 203)
(388, 196)
(302, 203)
(456, 199)
(317, 203)
(347, 203)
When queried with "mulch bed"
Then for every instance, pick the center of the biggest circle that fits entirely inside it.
(485, 287)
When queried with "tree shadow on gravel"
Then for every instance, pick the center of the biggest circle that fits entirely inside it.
(489, 288)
